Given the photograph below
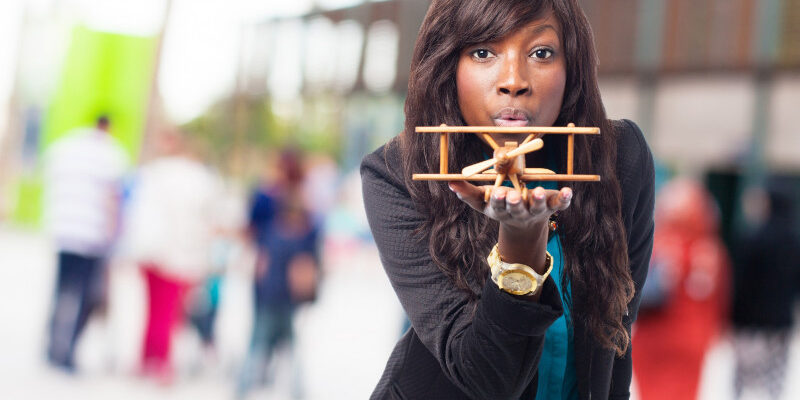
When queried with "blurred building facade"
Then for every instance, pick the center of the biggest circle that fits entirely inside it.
(713, 84)
(703, 78)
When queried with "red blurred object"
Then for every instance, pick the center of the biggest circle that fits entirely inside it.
(691, 265)
(165, 312)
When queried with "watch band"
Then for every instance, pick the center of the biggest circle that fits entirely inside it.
(501, 269)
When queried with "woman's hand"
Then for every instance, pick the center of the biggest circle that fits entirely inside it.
(523, 224)
(507, 206)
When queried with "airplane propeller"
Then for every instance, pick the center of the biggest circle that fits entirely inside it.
(476, 168)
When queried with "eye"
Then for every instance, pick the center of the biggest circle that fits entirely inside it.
(482, 54)
(542, 54)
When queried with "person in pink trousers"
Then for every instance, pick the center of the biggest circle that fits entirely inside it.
(171, 226)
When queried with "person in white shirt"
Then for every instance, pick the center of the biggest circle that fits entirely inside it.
(169, 231)
(83, 173)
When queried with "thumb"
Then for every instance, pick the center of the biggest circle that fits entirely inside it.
(468, 193)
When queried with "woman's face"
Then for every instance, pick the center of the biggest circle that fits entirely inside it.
(517, 80)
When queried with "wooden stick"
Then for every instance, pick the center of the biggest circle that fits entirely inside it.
(488, 192)
(539, 171)
(490, 140)
(570, 150)
(529, 171)
(515, 182)
(492, 177)
(443, 153)
(499, 180)
(510, 129)
(529, 138)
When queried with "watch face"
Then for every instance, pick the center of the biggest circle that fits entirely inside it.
(517, 282)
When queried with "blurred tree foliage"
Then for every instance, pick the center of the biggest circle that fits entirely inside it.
(237, 133)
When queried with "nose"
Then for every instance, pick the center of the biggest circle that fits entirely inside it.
(513, 79)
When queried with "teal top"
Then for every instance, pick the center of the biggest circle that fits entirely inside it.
(557, 379)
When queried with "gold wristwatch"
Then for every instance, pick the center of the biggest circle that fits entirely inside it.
(517, 279)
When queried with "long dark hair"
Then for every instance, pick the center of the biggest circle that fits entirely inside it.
(459, 238)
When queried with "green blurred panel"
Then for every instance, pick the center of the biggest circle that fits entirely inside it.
(28, 209)
(103, 73)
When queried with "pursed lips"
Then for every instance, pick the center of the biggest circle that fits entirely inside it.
(512, 117)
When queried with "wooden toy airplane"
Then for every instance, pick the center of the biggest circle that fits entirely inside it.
(508, 161)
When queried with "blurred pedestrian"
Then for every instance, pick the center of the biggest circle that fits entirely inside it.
(684, 298)
(83, 173)
(287, 271)
(766, 280)
(170, 231)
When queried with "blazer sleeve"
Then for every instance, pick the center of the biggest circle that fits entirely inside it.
(637, 179)
(489, 348)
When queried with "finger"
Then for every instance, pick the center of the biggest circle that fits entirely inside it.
(515, 205)
(559, 200)
(497, 202)
(468, 193)
(538, 201)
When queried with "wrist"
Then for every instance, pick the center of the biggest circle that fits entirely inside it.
(524, 247)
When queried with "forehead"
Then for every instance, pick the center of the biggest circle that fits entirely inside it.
(546, 24)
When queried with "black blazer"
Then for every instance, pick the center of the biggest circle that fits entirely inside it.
(490, 348)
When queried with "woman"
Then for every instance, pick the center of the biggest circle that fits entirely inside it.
(491, 62)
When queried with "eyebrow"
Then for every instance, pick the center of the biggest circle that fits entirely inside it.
(541, 28)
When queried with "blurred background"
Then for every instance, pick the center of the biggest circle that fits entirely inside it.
(180, 204)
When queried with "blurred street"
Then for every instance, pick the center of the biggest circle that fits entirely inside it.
(343, 339)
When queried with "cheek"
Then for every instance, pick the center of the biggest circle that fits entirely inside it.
(469, 92)
(554, 91)
(561, 84)
(464, 85)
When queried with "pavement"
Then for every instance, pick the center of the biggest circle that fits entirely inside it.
(343, 339)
